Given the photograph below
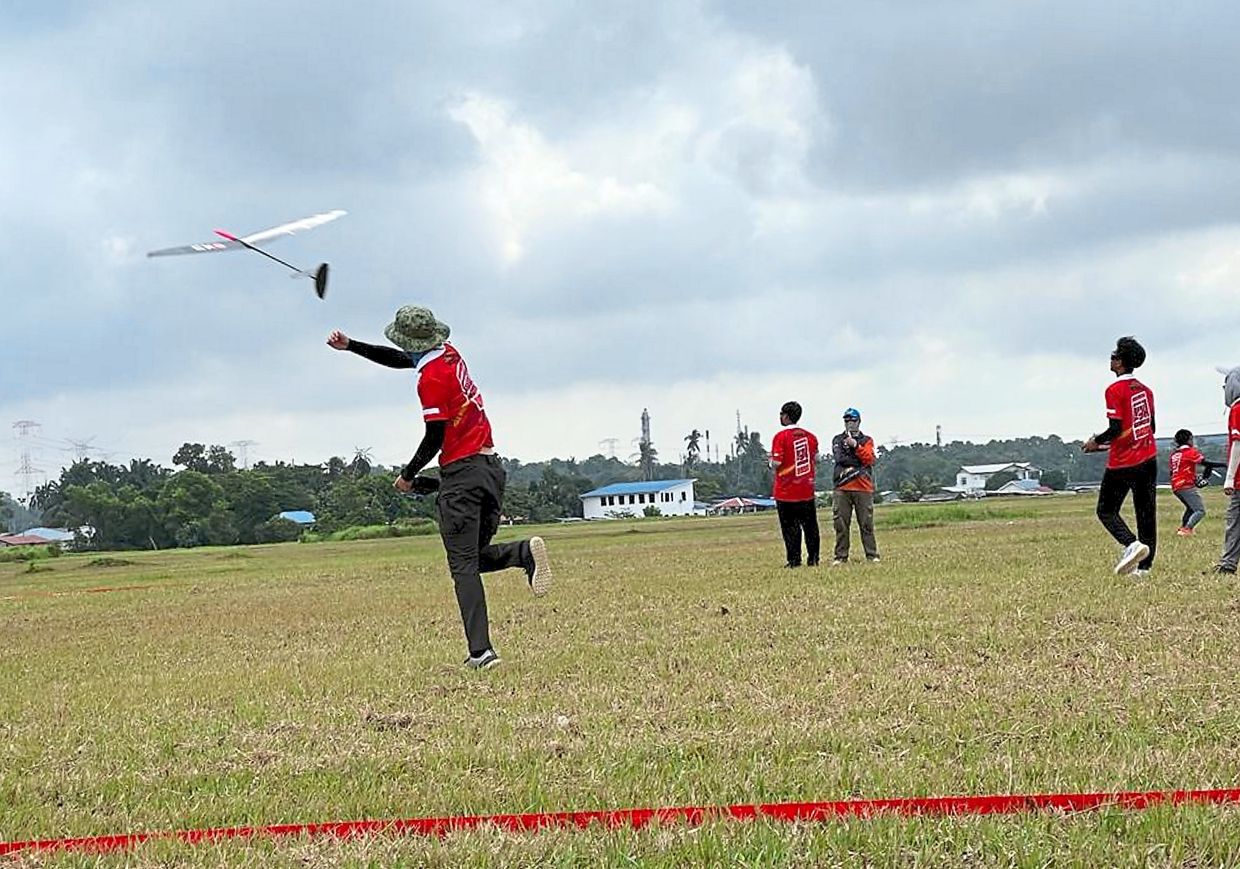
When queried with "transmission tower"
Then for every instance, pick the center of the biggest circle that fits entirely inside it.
(938, 436)
(243, 451)
(26, 470)
(81, 449)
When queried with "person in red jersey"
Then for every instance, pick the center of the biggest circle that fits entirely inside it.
(794, 457)
(1184, 480)
(1132, 465)
(471, 477)
(1231, 487)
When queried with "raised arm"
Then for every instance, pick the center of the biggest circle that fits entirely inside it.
(389, 357)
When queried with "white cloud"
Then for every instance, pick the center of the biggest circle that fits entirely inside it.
(530, 185)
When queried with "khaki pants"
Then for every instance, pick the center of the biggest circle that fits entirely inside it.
(843, 503)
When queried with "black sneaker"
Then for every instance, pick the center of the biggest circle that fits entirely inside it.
(485, 661)
(538, 566)
(791, 565)
(1223, 570)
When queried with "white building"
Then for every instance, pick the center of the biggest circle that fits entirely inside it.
(972, 479)
(672, 497)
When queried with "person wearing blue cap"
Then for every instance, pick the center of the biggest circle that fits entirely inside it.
(854, 457)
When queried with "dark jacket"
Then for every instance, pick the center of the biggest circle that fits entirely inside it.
(853, 466)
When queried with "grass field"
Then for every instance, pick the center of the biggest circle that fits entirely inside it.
(674, 663)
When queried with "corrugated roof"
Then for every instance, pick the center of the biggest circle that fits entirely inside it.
(993, 469)
(24, 540)
(57, 534)
(644, 488)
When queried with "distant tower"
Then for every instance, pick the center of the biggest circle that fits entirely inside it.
(938, 436)
(26, 470)
(708, 447)
(243, 451)
(610, 444)
(646, 448)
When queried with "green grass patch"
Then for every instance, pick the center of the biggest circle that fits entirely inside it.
(934, 515)
(404, 528)
(676, 667)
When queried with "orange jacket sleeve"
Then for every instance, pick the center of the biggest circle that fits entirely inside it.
(865, 452)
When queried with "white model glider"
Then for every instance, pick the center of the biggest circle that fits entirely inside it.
(250, 242)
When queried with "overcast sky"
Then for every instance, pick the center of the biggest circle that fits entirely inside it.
(938, 212)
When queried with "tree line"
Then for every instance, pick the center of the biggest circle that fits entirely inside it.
(205, 499)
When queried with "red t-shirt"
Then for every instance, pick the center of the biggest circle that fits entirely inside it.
(447, 393)
(1233, 437)
(796, 452)
(1184, 467)
(1132, 403)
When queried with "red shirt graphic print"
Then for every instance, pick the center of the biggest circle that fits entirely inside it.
(448, 393)
(1183, 464)
(1132, 403)
(796, 452)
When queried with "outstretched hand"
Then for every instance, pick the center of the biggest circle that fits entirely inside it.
(338, 340)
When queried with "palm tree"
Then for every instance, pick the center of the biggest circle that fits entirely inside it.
(360, 466)
(693, 448)
(646, 457)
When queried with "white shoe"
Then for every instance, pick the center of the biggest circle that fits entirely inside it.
(538, 571)
(1133, 554)
(1139, 572)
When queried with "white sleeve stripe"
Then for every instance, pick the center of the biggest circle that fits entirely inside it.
(427, 411)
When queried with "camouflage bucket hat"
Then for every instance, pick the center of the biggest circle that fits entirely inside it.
(415, 328)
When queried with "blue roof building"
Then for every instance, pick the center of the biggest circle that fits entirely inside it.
(669, 497)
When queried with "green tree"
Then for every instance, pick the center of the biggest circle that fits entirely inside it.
(192, 457)
(252, 500)
(997, 481)
(647, 456)
(1055, 479)
(187, 499)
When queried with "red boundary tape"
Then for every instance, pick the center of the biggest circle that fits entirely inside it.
(638, 818)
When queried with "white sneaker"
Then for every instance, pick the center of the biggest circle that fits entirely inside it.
(1133, 554)
(1139, 572)
(538, 571)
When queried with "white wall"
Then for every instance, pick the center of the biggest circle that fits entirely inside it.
(676, 501)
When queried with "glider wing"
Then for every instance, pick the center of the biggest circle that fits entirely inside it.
(227, 243)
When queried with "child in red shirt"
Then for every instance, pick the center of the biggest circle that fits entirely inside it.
(1183, 465)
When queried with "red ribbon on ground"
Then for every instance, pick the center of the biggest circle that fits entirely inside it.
(637, 818)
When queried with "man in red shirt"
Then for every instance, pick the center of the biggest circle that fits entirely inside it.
(1183, 466)
(794, 457)
(471, 477)
(1231, 488)
(1132, 465)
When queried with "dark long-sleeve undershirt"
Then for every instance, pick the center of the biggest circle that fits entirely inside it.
(391, 357)
(1114, 430)
(432, 442)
